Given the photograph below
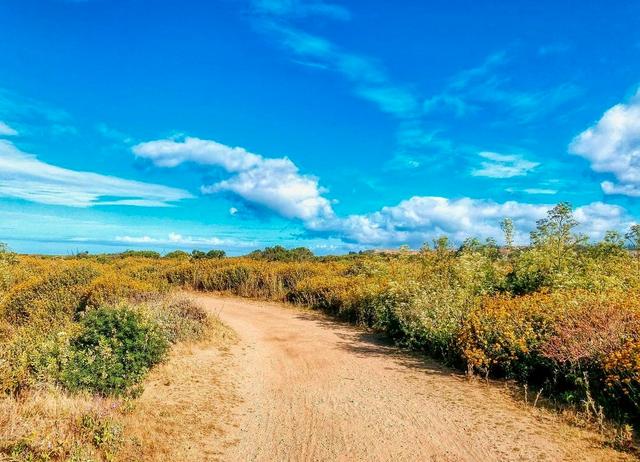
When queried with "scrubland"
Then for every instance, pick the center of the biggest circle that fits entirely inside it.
(80, 335)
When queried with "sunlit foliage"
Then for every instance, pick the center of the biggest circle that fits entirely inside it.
(562, 314)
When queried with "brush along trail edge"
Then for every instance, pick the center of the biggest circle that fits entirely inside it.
(313, 389)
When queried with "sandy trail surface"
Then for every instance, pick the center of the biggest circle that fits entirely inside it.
(313, 389)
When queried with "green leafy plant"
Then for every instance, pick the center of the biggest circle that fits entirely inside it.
(114, 350)
(279, 253)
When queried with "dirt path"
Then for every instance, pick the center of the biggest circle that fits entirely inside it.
(313, 389)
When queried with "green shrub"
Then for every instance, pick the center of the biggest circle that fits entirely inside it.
(211, 254)
(279, 253)
(140, 253)
(421, 317)
(178, 254)
(114, 350)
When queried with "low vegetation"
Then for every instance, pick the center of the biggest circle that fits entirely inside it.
(79, 335)
(561, 315)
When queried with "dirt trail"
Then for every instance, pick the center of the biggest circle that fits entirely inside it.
(313, 389)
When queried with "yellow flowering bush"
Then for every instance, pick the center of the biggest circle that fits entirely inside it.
(499, 332)
(111, 287)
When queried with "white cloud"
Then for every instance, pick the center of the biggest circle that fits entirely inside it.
(178, 240)
(630, 190)
(537, 191)
(420, 219)
(274, 183)
(277, 184)
(612, 146)
(540, 191)
(597, 218)
(6, 130)
(503, 165)
(25, 177)
(171, 153)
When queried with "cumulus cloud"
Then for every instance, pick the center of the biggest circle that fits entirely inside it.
(498, 165)
(597, 218)
(6, 130)
(273, 183)
(25, 177)
(278, 185)
(612, 146)
(421, 219)
(171, 153)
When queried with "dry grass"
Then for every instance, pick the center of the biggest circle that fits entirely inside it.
(187, 402)
(180, 415)
(48, 424)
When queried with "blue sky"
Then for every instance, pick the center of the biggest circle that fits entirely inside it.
(338, 126)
